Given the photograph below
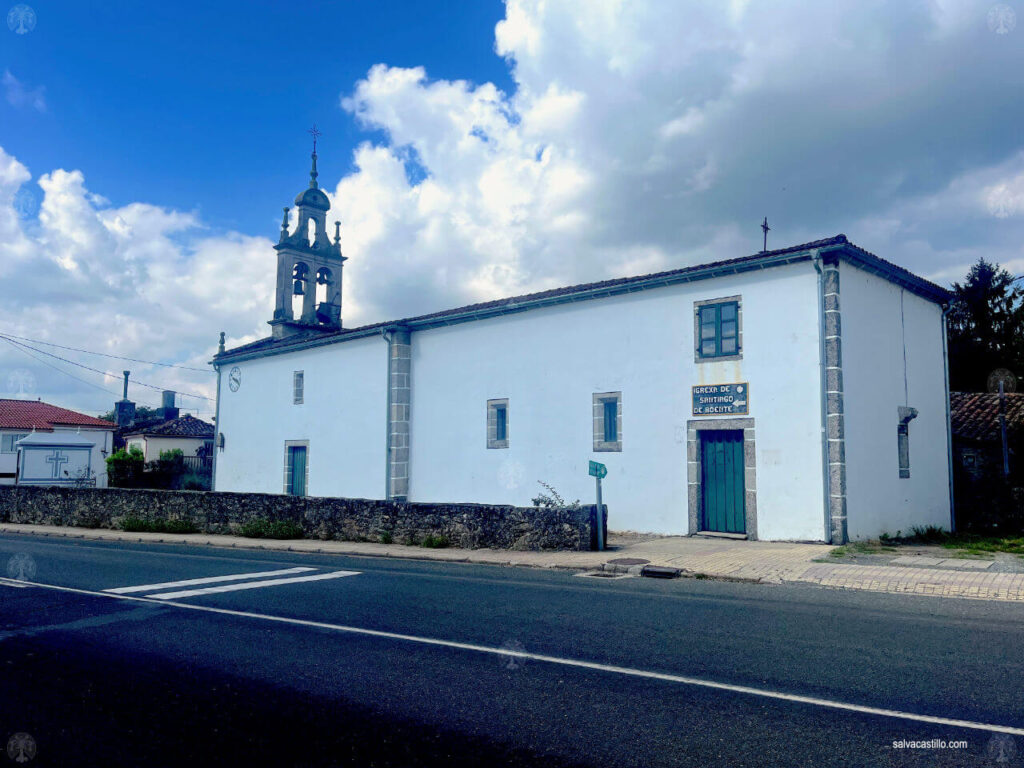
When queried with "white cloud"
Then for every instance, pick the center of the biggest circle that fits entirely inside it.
(20, 95)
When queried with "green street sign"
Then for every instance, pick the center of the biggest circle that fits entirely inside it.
(598, 470)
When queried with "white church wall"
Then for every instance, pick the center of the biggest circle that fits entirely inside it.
(343, 416)
(549, 362)
(875, 337)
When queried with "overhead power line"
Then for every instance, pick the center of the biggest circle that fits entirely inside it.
(9, 340)
(105, 354)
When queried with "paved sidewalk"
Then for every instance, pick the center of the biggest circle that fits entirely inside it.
(758, 561)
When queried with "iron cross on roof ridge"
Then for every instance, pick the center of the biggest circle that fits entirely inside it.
(766, 229)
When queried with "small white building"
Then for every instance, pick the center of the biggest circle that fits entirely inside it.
(43, 444)
(796, 394)
(192, 436)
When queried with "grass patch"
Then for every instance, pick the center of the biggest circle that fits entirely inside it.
(978, 545)
(141, 525)
(262, 528)
(862, 548)
(434, 542)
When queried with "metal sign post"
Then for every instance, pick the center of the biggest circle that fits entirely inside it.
(598, 471)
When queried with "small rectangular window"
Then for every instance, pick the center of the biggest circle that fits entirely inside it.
(501, 426)
(298, 387)
(8, 443)
(718, 328)
(611, 416)
(608, 421)
(497, 423)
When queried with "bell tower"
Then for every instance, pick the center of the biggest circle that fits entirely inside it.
(308, 295)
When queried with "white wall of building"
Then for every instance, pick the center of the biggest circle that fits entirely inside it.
(549, 362)
(152, 445)
(102, 447)
(876, 335)
(9, 461)
(343, 417)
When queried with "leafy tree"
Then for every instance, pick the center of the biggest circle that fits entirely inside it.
(986, 327)
(142, 413)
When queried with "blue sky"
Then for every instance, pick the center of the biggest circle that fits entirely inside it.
(472, 151)
(207, 107)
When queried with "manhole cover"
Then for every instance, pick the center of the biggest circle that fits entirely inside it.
(629, 561)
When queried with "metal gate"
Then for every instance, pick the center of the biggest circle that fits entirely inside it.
(722, 481)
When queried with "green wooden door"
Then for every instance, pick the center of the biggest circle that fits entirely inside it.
(297, 470)
(722, 481)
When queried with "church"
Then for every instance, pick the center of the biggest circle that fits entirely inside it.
(793, 394)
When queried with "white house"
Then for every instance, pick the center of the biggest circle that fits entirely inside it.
(799, 394)
(43, 444)
(192, 436)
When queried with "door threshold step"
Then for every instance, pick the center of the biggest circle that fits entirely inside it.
(719, 535)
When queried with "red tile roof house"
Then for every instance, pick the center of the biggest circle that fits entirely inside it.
(67, 445)
(977, 437)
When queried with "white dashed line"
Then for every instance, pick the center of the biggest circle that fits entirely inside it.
(207, 580)
(252, 585)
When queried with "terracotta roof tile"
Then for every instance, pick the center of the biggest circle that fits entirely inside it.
(183, 426)
(975, 415)
(33, 414)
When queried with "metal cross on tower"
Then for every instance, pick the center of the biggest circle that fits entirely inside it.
(315, 134)
(766, 229)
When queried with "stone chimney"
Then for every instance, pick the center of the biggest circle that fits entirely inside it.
(167, 409)
(124, 409)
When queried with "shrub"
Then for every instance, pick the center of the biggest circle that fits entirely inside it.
(434, 542)
(138, 524)
(386, 537)
(552, 499)
(195, 482)
(262, 528)
(124, 468)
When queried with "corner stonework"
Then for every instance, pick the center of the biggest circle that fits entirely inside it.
(834, 403)
(398, 419)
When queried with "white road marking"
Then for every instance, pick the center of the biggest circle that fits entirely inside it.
(579, 663)
(12, 583)
(206, 580)
(252, 585)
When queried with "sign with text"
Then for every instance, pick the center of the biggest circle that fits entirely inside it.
(598, 470)
(719, 399)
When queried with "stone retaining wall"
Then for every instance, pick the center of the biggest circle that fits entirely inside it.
(463, 525)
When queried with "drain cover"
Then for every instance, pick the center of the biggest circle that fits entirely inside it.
(629, 561)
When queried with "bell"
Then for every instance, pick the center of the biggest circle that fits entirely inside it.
(299, 290)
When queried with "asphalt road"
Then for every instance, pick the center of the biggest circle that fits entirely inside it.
(414, 663)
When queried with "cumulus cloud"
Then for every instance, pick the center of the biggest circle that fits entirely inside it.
(647, 135)
(637, 136)
(135, 281)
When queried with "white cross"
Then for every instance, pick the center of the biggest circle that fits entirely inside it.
(57, 460)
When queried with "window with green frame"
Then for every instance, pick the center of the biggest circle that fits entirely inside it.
(718, 326)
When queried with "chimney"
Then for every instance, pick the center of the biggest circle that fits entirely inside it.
(124, 409)
(167, 409)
